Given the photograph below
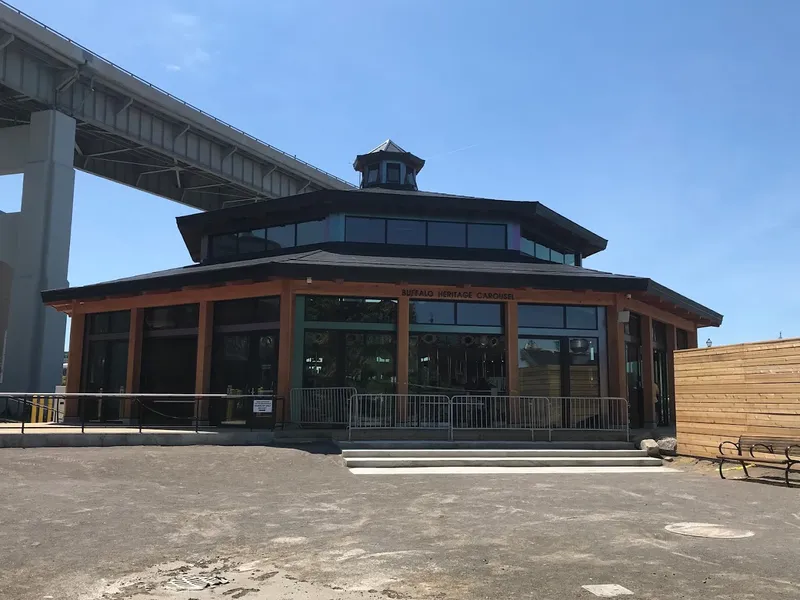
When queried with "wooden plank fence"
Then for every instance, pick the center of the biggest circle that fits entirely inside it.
(724, 392)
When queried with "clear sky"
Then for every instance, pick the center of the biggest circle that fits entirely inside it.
(671, 128)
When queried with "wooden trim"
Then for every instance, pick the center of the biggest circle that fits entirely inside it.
(403, 327)
(77, 334)
(134, 358)
(615, 336)
(648, 372)
(658, 314)
(512, 348)
(205, 334)
(285, 342)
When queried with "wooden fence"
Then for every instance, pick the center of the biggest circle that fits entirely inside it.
(724, 392)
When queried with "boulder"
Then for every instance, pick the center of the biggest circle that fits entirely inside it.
(651, 446)
(668, 445)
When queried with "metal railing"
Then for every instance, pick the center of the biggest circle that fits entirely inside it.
(321, 406)
(172, 97)
(488, 413)
(139, 411)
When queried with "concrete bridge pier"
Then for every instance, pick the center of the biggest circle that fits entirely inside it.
(34, 250)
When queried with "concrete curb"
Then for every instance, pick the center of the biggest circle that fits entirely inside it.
(94, 440)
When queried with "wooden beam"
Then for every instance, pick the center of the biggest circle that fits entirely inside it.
(648, 372)
(403, 327)
(202, 374)
(646, 308)
(285, 340)
(512, 347)
(134, 358)
(77, 334)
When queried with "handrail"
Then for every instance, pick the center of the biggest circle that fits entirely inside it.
(166, 93)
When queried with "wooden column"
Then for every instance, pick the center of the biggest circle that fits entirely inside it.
(615, 335)
(134, 359)
(511, 330)
(403, 332)
(648, 372)
(692, 335)
(672, 343)
(77, 333)
(202, 374)
(285, 339)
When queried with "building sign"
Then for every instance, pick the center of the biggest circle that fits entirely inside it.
(262, 405)
(458, 294)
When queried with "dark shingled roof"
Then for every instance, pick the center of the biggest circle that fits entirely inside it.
(325, 264)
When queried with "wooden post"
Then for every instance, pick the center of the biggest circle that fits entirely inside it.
(511, 330)
(134, 359)
(672, 343)
(615, 334)
(403, 332)
(202, 374)
(285, 339)
(77, 333)
(691, 334)
(648, 372)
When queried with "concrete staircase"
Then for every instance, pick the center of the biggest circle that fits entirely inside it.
(461, 455)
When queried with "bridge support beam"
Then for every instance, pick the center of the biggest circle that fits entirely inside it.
(35, 334)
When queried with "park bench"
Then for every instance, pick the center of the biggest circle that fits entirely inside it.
(769, 452)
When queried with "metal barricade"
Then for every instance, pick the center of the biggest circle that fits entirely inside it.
(589, 414)
(486, 412)
(321, 406)
(399, 411)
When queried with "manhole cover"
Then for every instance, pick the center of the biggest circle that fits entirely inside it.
(708, 530)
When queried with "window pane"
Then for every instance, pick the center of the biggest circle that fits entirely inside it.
(370, 361)
(392, 173)
(473, 313)
(247, 310)
(584, 370)
(569, 259)
(410, 178)
(280, 237)
(447, 234)
(542, 252)
(120, 321)
(372, 173)
(581, 317)
(438, 313)
(268, 310)
(310, 232)
(556, 257)
(527, 246)
(486, 236)
(223, 245)
(185, 316)
(540, 367)
(361, 229)
(357, 310)
(541, 315)
(252, 241)
(405, 232)
(681, 339)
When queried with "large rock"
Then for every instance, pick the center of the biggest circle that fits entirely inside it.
(651, 446)
(668, 445)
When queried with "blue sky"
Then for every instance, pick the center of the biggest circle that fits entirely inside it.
(672, 128)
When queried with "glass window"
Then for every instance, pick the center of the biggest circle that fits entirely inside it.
(569, 259)
(410, 176)
(447, 234)
(527, 246)
(584, 370)
(541, 315)
(481, 235)
(581, 317)
(247, 310)
(540, 367)
(542, 252)
(556, 257)
(185, 316)
(474, 313)
(659, 335)
(224, 245)
(372, 173)
(432, 313)
(681, 339)
(281, 236)
(361, 229)
(310, 232)
(392, 173)
(110, 322)
(252, 241)
(400, 231)
(633, 327)
(351, 310)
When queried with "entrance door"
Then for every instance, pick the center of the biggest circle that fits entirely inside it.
(664, 392)
(633, 369)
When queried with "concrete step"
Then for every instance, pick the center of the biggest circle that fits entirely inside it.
(482, 445)
(486, 453)
(504, 461)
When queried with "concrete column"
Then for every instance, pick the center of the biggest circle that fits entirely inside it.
(35, 337)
